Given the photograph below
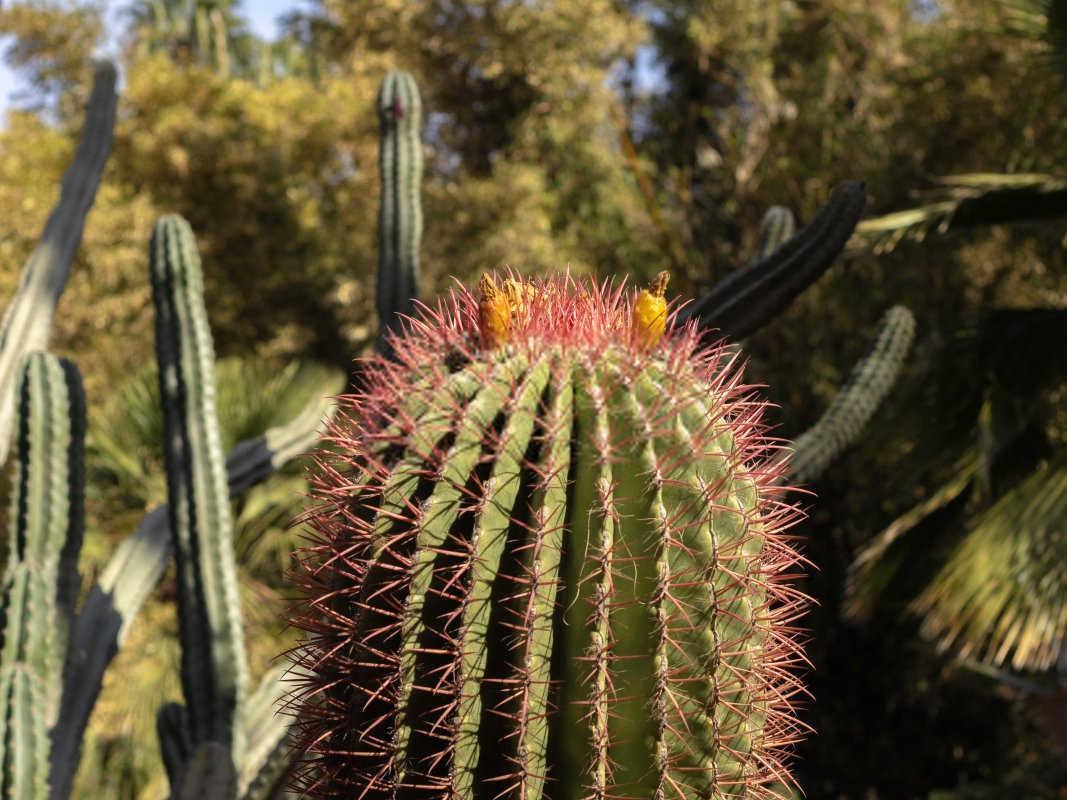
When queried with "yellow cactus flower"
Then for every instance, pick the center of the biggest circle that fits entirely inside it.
(650, 312)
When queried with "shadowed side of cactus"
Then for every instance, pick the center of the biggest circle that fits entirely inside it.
(400, 206)
(214, 670)
(41, 579)
(548, 561)
(869, 382)
(27, 322)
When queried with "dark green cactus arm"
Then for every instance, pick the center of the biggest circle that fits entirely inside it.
(209, 775)
(41, 579)
(214, 671)
(753, 295)
(776, 228)
(848, 414)
(175, 743)
(28, 319)
(400, 209)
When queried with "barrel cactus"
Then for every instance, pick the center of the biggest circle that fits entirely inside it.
(548, 559)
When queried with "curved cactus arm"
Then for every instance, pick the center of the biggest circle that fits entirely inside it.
(266, 761)
(776, 228)
(253, 460)
(133, 572)
(209, 775)
(28, 319)
(41, 579)
(214, 669)
(755, 294)
(869, 383)
(400, 209)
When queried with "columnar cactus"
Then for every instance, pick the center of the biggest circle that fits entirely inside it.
(214, 669)
(41, 580)
(868, 384)
(400, 208)
(27, 322)
(776, 228)
(548, 561)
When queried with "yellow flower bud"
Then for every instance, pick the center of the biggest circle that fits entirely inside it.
(650, 312)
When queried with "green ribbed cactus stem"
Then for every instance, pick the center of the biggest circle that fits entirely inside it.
(41, 579)
(869, 382)
(400, 204)
(776, 228)
(214, 671)
(548, 563)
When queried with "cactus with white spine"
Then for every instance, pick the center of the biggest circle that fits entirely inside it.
(776, 228)
(868, 384)
(548, 563)
(41, 580)
(400, 206)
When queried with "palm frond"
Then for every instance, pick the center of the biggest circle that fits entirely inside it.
(966, 201)
(1002, 596)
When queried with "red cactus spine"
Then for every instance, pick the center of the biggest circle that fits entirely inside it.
(549, 559)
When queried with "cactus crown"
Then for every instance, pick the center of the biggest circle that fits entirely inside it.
(547, 561)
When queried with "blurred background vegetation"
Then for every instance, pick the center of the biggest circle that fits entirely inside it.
(616, 138)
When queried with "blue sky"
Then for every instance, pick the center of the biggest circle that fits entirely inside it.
(262, 14)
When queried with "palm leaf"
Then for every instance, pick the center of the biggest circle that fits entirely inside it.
(966, 201)
(1002, 596)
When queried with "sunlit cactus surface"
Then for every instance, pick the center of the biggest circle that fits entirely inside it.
(548, 559)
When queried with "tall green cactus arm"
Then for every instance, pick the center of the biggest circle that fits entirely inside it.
(400, 209)
(753, 295)
(41, 580)
(776, 228)
(214, 671)
(28, 319)
(132, 574)
(869, 383)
